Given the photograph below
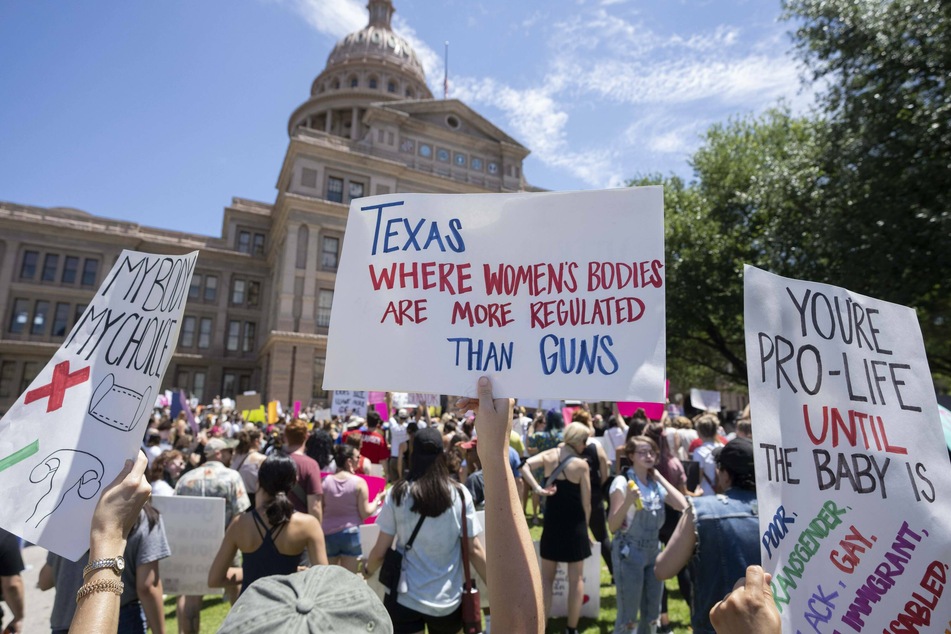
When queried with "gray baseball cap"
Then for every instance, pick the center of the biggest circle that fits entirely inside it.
(317, 600)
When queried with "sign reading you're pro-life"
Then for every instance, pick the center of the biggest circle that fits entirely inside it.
(852, 472)
(69, 434)
(553, 295)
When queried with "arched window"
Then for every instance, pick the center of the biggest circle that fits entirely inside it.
(373, 83)
(336, 84)
(391, 87)
(410, 94)
(353, 81)
(303, 239)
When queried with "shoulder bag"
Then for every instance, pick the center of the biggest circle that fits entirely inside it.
(392, 567)
(471, 608)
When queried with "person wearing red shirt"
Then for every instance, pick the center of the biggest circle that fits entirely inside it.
(374, 444)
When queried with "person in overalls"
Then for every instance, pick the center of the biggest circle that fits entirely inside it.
(635, 517)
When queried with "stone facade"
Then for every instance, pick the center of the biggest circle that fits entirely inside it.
(260, 300)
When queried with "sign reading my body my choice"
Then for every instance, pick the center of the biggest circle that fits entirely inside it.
(553, 294)
(67, 437)
(852, 472)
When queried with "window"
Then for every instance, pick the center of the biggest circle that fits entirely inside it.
(70, 269)
(28, 265)
(237, 291)
(257, 248)
(442, 155)
(204, 333)
(233, 337)
(329, 249)
(19, 316)
(356, 190)
(211, 288)
(247, 343)
(30, 370)
(325, 300)
(187, 339)
(318, 386)
(254, 293)
(391, 87)
(90, 269)
(477, 164)
(244, 242)
(50, 264)
(460, 159)
(8, 370)
(425, 150)
(244, 383)
(335, 189)
(78, 313)
(181, 380)
(228, 383)
(354, 82)
(194, 291)
(198, 387)
(60, 319)
(39, 317)
(308, 178)
(373, 83)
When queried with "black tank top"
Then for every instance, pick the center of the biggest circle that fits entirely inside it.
(267, 560)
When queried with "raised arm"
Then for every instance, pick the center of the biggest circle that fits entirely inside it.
(513, 577)
(118, 507)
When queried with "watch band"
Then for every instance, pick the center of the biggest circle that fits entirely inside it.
(116, 564)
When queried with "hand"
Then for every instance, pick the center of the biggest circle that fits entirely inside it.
(120, 503)
(493, 421)
(749, 608)
(14, 627)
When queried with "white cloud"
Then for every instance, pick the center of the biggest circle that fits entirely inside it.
(335, 19)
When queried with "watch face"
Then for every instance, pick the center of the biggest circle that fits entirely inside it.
(120, 564)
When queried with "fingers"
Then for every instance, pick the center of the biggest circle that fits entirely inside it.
(486, 403)
(138, 468)
(755, 581)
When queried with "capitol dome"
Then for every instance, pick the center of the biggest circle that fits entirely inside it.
(367, 66)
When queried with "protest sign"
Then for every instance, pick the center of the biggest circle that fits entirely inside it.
(69, 434)
(705, 400)
(591, 598)
(494, 284)
(247, 401)
(346, 402)
(423, 399)
(194, 527)
(852, 473)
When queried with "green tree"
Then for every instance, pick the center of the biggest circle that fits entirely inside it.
(754, 201)
(885, 67)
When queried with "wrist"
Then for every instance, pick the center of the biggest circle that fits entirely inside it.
(106, 547)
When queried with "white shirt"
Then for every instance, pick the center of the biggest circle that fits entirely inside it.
(397, 436)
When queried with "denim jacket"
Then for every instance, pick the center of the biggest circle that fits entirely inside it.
(727, 528)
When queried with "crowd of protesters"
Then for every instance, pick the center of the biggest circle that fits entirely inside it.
(601, 482)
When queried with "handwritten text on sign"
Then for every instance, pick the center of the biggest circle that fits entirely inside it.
(555, 295)
(69, 434)
(852, 474)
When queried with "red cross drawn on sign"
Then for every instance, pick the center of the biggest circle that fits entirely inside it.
(56, 389)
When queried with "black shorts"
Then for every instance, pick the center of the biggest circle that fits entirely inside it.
(408, 621)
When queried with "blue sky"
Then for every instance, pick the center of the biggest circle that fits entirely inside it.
(160, 112)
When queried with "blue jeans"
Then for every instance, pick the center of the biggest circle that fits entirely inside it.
(638, 590)
(132, 619)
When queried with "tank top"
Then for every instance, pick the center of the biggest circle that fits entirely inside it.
(267, 560)
(340, 504)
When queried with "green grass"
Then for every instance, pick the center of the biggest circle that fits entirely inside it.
(215, 608)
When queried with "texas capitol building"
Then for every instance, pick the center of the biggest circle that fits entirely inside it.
(259, 304)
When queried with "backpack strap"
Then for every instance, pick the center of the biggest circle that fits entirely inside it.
(561, 467)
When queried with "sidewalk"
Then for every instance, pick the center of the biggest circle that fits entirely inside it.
(38, 604)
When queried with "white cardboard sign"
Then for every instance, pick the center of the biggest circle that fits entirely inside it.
(503, 285)
(346, 402)
(69, 434)
(591, 572)
(852, 473)
(705, 400)
(194, 527)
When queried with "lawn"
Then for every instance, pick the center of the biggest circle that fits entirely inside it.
(215, 608)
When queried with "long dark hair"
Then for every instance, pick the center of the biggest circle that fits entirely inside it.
(277, 476)
(246, 439)
(319, 446)
(429, 483)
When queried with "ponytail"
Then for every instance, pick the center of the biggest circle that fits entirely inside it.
(279, 509)
(277, 476)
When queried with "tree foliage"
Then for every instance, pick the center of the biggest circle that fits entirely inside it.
(856, 195)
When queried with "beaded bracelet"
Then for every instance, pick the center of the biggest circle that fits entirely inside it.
(99, 586)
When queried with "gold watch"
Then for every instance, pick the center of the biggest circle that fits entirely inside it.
(116, 564)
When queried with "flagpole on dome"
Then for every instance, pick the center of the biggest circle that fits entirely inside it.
(445, 77)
